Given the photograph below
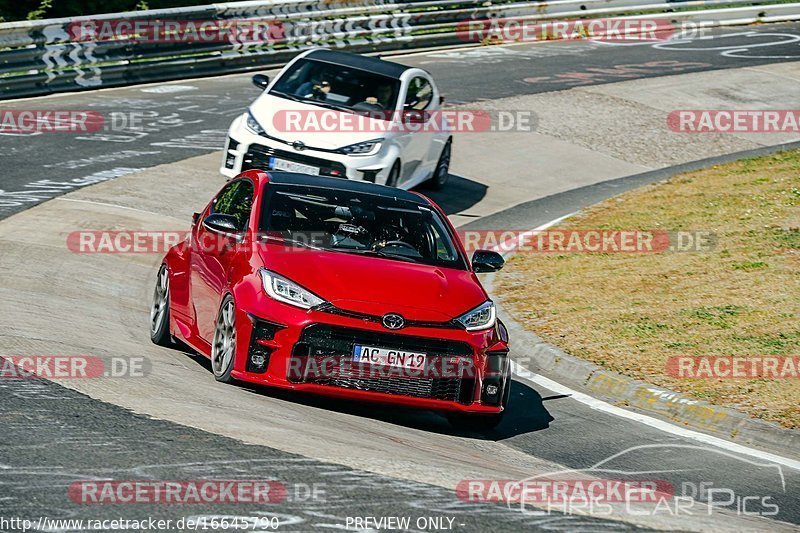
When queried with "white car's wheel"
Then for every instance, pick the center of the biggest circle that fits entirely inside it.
(442, 172)
(394, 175)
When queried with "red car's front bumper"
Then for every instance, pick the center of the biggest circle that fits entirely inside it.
(284, 335)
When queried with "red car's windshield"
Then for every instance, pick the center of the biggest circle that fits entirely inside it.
(358, 223)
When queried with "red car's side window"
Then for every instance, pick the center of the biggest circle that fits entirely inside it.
(235, 199)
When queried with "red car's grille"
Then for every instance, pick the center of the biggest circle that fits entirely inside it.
(320, 344)
(448, 389)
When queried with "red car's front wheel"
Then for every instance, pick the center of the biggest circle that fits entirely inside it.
(223, 349)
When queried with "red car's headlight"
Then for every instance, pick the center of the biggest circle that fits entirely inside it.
(287, 291)
(482, 317)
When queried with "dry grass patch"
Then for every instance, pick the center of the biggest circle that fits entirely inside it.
(631, 312)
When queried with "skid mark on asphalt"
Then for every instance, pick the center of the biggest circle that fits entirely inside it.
(52, 443)
(45, 189)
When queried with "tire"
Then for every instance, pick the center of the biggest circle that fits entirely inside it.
(465, 421)
(159, 311)
(223, 348)
(394, 175)
(442, 171)
(507, 392)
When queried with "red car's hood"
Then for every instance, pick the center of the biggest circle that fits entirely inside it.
(378, 286)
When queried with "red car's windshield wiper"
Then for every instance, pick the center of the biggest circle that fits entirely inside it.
(374, 253)
(284, 240)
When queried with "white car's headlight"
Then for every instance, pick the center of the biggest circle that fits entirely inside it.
(482, 317)
(363, 148)
(287, 291)
(253, 125)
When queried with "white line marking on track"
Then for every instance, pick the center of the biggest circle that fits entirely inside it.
(506, 247)
(654, 423)
(168, 88)
(115, 206)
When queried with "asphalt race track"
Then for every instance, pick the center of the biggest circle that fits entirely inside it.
(193, 117)
(370, 461)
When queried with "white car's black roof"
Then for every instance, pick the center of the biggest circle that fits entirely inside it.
(370, 64)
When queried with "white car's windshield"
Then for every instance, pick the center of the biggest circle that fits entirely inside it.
(337, 86)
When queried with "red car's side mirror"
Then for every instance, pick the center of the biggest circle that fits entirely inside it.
(225, 225)
(487, 261)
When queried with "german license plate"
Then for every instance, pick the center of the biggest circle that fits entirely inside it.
(291, 166)
(389, 357)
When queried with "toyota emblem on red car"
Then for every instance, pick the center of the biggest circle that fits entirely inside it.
(393, 321)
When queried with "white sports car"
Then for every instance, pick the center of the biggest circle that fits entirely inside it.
(338, 114)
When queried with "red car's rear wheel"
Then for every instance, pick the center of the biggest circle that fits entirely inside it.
(159, 312)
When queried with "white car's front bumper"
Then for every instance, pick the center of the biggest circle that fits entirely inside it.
(245, 150)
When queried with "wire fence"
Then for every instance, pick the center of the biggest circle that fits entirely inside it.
(48, 56)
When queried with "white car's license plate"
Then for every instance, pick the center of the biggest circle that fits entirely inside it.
(291, 166)
(387, 357)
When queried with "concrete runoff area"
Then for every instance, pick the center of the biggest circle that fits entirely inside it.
(591, 134)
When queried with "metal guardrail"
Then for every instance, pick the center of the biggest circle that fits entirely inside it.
(41, 57)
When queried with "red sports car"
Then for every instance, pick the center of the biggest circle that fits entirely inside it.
(337, 287)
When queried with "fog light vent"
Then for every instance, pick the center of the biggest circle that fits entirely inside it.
(369, 175)
(230, 158)
(258, 354)
(258, 360)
